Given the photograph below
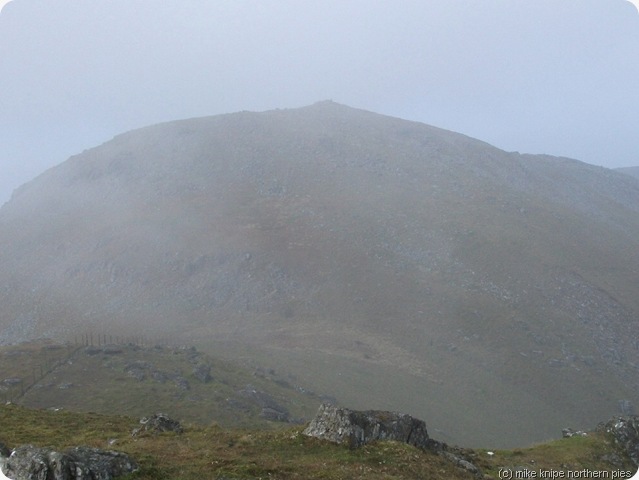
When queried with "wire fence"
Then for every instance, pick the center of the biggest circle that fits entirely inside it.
(12, 389)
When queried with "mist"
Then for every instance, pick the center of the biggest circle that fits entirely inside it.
(544, 76)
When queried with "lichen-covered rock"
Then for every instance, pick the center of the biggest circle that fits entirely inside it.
(625, 431)
(357, 428)
(80, 463)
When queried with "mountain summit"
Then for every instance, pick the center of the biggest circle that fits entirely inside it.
(392, 264)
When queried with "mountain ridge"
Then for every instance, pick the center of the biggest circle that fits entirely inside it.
(383, 247)
(633, 171)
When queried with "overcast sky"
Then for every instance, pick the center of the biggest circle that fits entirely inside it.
(537, 76)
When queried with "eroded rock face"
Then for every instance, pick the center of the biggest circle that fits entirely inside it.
(357, 428)
(80, 463)
(625, 431)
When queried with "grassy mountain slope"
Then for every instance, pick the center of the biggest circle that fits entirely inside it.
(384, 262)
(140, 380)
(217, 453)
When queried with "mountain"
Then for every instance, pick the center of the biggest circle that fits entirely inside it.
(634, 171)
(391, 264)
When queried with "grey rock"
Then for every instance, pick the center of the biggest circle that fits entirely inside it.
(625, 432)
(80, 463)
(271, 410)
(28, 462)
(569, 432)
(202, 372)
(613, 459)
(102, 464)
(159, 422)
(461, 463)
(357, 428)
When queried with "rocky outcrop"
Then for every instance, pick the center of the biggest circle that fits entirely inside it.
(357, 428)
(157, 423)
(271, 410)
(141, 369)
(202, 372)
(569, 432)
(80, 463)
(625, 431)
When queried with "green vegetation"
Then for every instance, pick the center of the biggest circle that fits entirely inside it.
(141, 380)
(212, 452)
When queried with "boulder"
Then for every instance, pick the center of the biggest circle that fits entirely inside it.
(81, 463)
(357, 428)
(160, 422)
(32, 463)
(625, 431)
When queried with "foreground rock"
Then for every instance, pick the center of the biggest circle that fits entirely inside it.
(80, 463)
(357, 428)
(625, 431)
